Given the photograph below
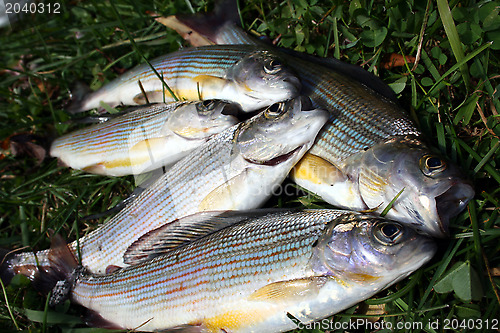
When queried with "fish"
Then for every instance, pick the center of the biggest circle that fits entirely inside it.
(248, 273)
(236, 169)
(221, 28)
(428, 189)
(245, 75)
(143, 139)
(362, 117)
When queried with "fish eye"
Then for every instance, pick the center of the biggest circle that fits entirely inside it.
(431, 165)
(275, 110)
(273, 66)
(388, 233)
(205, 106)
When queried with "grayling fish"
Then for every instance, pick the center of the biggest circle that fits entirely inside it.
(360, 119)
(428, 189)
(248, 76)
(236, 169)
(144, 139)
(249, 273)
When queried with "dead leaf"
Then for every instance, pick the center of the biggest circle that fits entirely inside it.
(396, 60)
(28, 145)
(371, 310)
(186, 32)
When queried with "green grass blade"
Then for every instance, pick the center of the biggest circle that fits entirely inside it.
(455, 67)
(487, 157)
(453, 38)
(487, 167)
(8, 306)
(389, 206)
(440, 270)
(136, 48)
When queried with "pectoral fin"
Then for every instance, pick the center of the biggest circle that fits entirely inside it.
(208, 84)
(98, 169)
(291, 290)
(94, 319)
(326, 180)
(147, 148)
(187, 329)
(223, 196)
(154, 96)
(317, 171)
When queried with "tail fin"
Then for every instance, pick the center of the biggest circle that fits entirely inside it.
(219, 27)
(13, 263)
(79, 92)
(6, 271)
(226, 11)
(62, 273)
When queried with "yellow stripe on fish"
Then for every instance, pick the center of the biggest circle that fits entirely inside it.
(143, 139)
(247, 160)
(364, 115)
(249, 271)
(246, 75)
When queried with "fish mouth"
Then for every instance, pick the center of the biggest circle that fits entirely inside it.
(276, 160)
(421, 254)
(451, 202)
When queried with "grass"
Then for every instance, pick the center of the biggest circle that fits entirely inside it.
(447, 77)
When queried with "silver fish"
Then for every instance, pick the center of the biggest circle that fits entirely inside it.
(236, 169)
(249, 273)
(361, 118)
(428, 189)
(144, 139)
(248, 76)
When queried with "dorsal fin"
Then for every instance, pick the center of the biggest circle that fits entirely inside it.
(79, 91)
(6, 270)
(207, 24)
(186, 230)
(222, 28)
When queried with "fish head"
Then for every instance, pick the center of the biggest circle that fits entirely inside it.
(432, 189)
(368, 249)
(202, 119)
(282, 132)
(263, 79)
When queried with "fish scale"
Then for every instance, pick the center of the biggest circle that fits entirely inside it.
(357, 112)
(189, 63)
(247, 271)
(352, 112)
(97, 137)
(203, 72)
(224, 173)
(197, 276)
